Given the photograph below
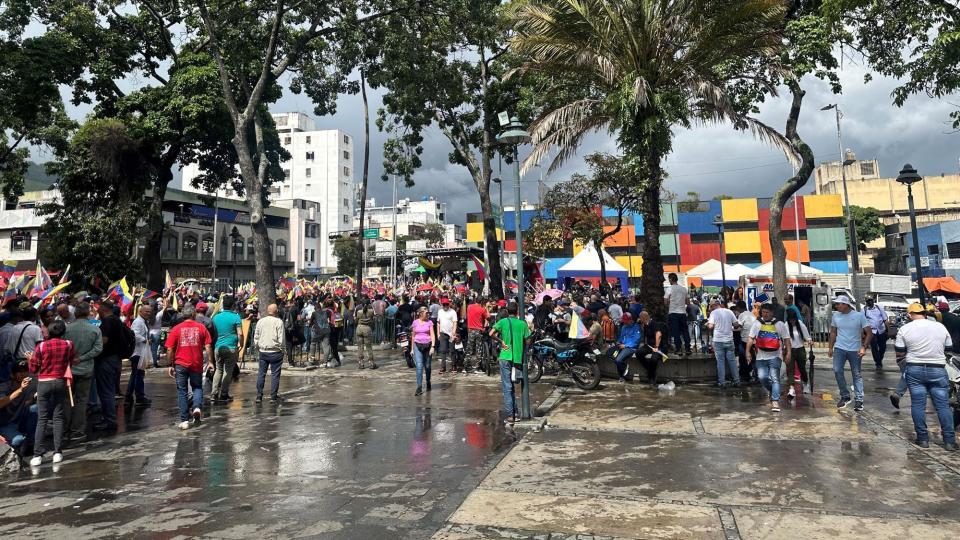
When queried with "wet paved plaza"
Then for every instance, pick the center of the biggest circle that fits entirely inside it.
(353, 454)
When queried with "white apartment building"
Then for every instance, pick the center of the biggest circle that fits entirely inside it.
(320, 170)
(411, 216)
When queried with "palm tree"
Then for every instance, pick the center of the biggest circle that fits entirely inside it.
(637, 68)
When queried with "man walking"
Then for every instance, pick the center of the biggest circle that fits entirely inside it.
(721, 321)
(922, 345)
(106, 367)
(364, 335)
(676, 300)
(850, 335)
(511, 332)
(772, 340)
(186, 343)
(269, 337)
(446, 333)
(88, 342)
(877, 318)
(227, 349)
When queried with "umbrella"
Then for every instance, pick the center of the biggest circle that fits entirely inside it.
(552, 293)
(425, 287)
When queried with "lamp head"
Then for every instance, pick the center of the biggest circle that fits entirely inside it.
(829, 107)
(514, 134)
(908, 175)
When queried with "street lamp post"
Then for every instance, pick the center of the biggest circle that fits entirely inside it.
(234, 240)
(718, 222)
(503, 276)
(851, 225)
(908, 176)
(514, 136)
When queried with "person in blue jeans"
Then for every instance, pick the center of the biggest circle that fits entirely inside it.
(850, 337)
(423, 342)
(721, 321)
(627, 344)
(770, 339)
(512, 334)
(676, 300)
(921, 345)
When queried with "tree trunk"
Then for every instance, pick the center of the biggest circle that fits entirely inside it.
(598, 244)
(490, 243)
(651, 279)
(791, 186)
(253, 187)
(363, 186)
(152, 263)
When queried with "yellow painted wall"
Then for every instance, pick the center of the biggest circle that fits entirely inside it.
(475, 232)
(738, 210)
(822, 206)
(886, 195)
(633, 264)
(742, 241)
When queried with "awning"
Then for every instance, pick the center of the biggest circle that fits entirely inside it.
(942, 284)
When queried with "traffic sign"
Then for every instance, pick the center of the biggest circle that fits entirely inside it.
(371, 233)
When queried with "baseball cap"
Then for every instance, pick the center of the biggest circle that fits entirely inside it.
(202, 306)
(915, 308)
(585, 313)
(444, 300)
(501, 303)
(626, 317)
(943, 306)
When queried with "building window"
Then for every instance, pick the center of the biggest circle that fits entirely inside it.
(286, 174)
(933, 250)
(286, 141)
(238, 244)
(310, 155)
(281, 250)
(313, 255)
(206, 247)
(953, 250)
(306, 254)
(346, 171)
(190, 244)
(250, 248)
(308, 142)
(20, 241)
(169, 244)
(308, 171)
(346, 155)
(866, 168)
(346, 139)
(346, 218)
(223, 248)
(346, 202)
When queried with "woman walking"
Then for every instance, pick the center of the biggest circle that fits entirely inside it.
(50, 361)
(799, 336)
(423, 340)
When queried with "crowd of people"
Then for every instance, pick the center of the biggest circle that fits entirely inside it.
(60, 366)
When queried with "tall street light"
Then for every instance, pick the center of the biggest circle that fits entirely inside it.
(503, 276)
(908, 176)
(514, 136)
(851, 225)
(718, 222)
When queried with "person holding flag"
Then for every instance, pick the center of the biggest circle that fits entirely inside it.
(51, 362)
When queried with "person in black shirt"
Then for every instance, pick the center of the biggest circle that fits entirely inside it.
(952, 322)
(649, 354)
(106, 367)
(405, 312)
(595, 304)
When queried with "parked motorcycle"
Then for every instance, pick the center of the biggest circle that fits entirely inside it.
(403, 341)
(576, 357)
(953, 374)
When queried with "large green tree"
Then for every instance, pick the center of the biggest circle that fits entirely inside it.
(639, 68)
(444, 68)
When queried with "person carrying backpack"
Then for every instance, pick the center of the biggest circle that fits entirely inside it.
(320, 334)
(772, 339)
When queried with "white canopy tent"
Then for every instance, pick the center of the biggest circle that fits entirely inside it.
(767, 269)
(586, 264)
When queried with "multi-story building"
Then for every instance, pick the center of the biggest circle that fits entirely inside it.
(939, 250)
(20, 238)
(320, 170)
(689, 236)
(411, 216)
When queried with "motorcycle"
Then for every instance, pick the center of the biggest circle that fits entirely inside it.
(403, 342)
(953, 375)
(576, 357)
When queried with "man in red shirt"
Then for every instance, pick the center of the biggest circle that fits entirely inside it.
(476, 322)
(186, 344)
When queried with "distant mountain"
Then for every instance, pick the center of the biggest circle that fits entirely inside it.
(37, 178)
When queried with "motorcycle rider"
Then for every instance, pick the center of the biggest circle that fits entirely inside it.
(922, 344)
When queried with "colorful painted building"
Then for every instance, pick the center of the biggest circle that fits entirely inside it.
(688, 238)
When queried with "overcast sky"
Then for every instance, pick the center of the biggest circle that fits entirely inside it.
(711, 160)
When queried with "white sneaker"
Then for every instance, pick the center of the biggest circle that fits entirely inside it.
(792, 392)
(184, 425)
(806, 389)
(196, 415)
(57, 457)
(35, 461)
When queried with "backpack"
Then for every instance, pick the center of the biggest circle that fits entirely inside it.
(320, 323)
(8, 359)
(129, 341)
(768, 338)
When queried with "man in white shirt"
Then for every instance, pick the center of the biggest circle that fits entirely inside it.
(877, 317)
(721, 321)
(921, 344)
(744, 322)
(772, 339)
(446, 333)
(676, 299)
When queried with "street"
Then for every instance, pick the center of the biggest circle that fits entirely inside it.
(353, 454)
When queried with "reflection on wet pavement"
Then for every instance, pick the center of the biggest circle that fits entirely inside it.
(349, 454)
